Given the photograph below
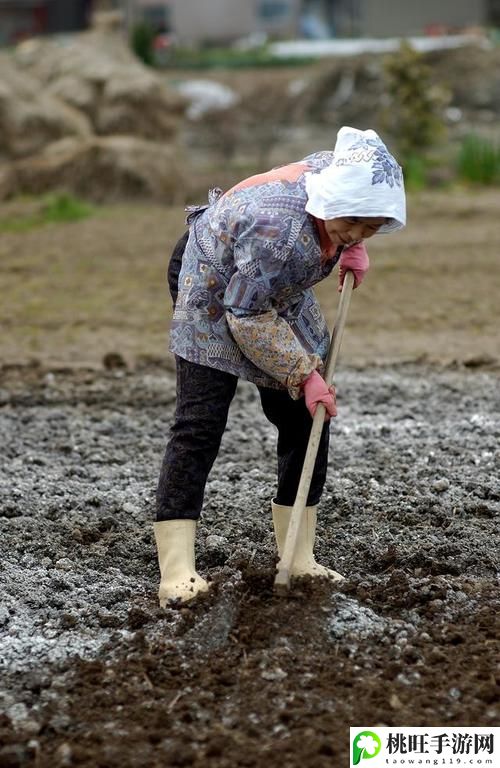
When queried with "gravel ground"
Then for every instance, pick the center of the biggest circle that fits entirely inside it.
(94, 673)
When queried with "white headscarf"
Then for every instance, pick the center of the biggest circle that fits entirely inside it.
(363, 180)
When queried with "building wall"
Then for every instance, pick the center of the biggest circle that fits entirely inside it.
(347, 17)
(494, 12)
(387, 18)
(64, 16)
(197, 21)
(21, 19)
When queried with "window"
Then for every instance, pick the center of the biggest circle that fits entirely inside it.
(271, 10)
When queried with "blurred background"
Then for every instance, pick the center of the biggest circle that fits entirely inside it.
(115, 114)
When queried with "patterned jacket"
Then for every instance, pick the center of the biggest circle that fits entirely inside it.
(245, 303)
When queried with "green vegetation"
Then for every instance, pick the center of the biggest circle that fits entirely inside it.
(479, 160)
(142, 42)
(58, 208)
(228, 58)
(64, 207)
(415, 173)
(413, 119)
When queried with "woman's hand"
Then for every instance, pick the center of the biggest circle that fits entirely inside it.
(354, 259)
(316, 391)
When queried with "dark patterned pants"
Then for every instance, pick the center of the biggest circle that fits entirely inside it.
(203, 398)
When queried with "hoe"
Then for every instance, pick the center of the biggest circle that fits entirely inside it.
(282, 579)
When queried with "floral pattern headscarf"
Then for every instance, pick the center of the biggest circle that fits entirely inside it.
(364, 179)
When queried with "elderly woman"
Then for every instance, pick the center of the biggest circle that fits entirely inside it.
(241, 280)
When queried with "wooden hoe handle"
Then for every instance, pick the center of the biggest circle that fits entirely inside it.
(284, 567)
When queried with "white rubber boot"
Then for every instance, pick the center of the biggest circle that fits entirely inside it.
(304, 563)
(175, 544)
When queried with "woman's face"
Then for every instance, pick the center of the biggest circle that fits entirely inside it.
(351, 229)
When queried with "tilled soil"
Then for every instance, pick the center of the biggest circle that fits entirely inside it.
(94, 673)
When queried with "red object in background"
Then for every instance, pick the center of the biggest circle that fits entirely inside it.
(28, 22)
(40, 19)
(436, 30)
(163, 42)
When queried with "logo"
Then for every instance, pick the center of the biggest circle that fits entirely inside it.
(410, 747)
(365, 744)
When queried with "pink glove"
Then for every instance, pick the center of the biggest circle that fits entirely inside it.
(354, 258)
(316, 391)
